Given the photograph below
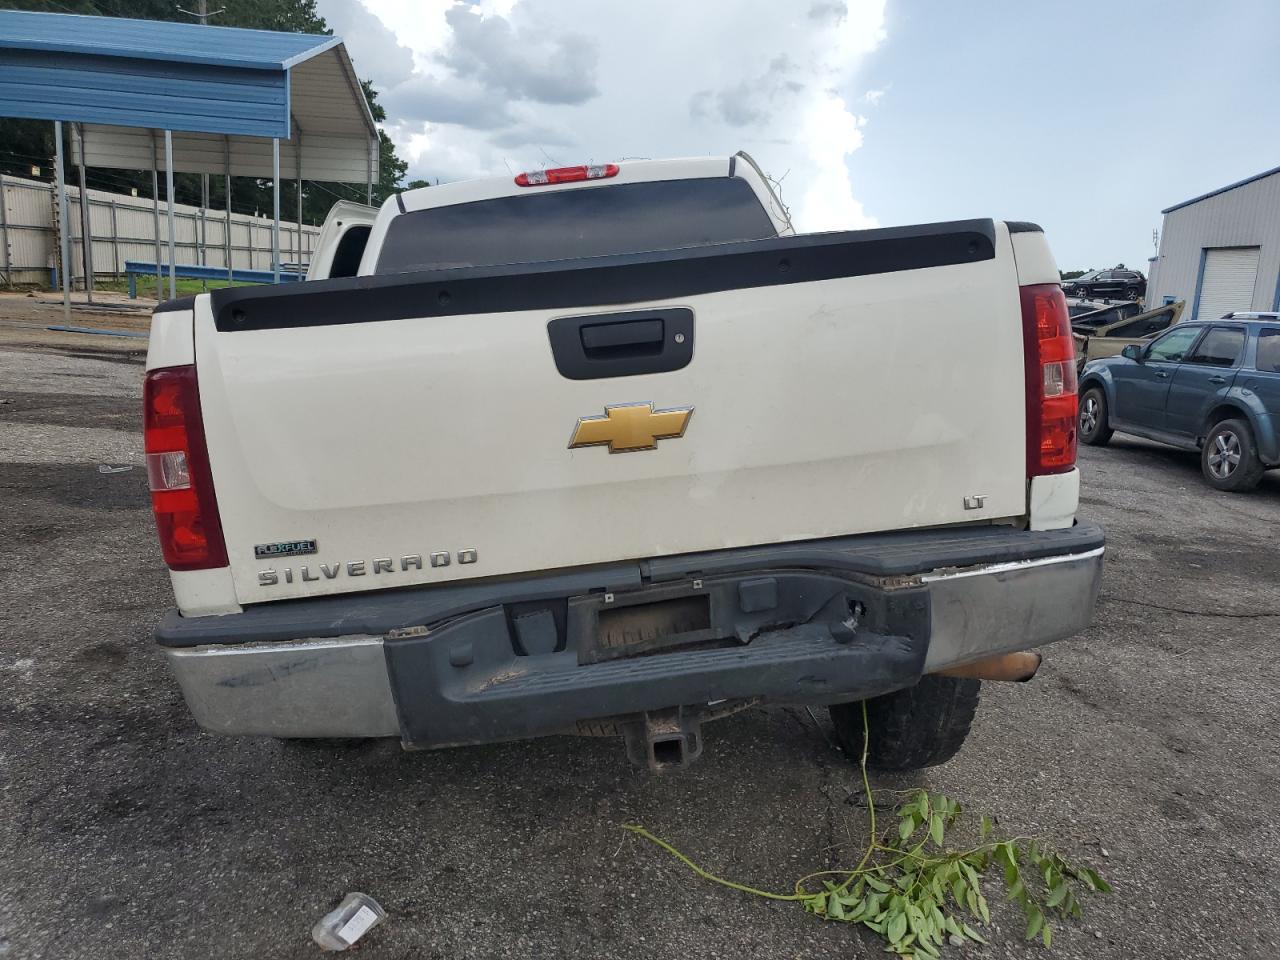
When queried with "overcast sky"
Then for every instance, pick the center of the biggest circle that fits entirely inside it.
(1087, 117)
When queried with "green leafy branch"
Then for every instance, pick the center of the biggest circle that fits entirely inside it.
(911, 889)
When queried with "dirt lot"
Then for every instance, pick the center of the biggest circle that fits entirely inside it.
(25, 319)
(125, 831)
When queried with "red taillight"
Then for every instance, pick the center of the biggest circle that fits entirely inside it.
(538, 178)
(1050, 357)
(178, 471)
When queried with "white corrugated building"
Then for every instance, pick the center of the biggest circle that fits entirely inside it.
(1221, 251)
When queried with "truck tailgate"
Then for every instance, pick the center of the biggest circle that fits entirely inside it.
(838, 383)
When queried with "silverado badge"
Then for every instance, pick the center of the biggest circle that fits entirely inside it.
(631, 426)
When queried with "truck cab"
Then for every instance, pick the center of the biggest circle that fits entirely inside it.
(342, 241)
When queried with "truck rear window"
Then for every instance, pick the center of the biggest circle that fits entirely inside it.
(579, 222)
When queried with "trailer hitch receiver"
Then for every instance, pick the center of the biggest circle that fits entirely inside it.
(664, 740)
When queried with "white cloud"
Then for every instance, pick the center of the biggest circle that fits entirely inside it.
(830, 133)
(518, 84)
(873, 96)
(520, 63)
(374, 49)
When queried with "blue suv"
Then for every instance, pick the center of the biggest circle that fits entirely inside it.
(1211, 386)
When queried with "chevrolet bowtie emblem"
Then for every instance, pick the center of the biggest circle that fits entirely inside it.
(631, 426)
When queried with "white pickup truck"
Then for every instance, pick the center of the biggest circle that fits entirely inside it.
(613, 450)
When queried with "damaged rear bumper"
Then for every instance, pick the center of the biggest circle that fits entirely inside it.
(812, 623)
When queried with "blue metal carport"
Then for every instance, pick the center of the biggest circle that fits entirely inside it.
(225, 91)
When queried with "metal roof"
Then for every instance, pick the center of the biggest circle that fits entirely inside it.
(179, 76)
(1230, 186)
(158, 40)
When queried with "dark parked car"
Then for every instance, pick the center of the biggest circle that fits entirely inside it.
(1211, 386)
(1072, 288)
(1117, 284)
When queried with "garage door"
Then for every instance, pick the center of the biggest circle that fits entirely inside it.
(1229, 273)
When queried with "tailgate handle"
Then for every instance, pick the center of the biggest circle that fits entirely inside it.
(625, 338)
(622, 344)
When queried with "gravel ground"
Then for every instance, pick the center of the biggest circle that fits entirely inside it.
(126, 831)
(25, 319)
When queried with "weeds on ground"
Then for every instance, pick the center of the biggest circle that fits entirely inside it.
(919, 894)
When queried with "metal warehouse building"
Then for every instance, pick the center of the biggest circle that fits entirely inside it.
(1221, 251)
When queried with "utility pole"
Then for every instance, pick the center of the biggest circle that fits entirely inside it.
(202, 11)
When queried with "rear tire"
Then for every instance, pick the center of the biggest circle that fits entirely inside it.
(921, 726)
(1093, 417)
(1229, 458)
(1131, 293)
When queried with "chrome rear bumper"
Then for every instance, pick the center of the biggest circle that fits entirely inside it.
(461, 683)
(305, 688)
